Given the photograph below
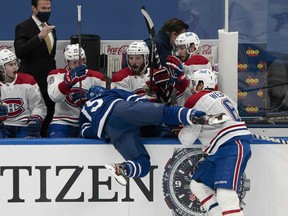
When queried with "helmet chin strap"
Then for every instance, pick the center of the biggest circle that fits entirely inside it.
(191, 53)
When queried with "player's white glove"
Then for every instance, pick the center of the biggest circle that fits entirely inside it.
(210, 119)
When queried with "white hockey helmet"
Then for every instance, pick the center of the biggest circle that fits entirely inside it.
(139, 48)
(71, 52)
(6, 56)
(187, 39)
(208, 77)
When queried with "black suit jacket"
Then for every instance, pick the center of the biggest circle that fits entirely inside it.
(33, 53)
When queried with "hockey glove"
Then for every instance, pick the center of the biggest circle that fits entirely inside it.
(3, 113)
(209, 119)
(161, 77)
(87, 131)
(150, 94)
(164, 94)
(197, 116)
(175, 65)
(75, 96)
(34, 126)
(154, 87)
(165, 85)
(75, 75)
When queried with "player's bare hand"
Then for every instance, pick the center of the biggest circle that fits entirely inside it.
(45, 30)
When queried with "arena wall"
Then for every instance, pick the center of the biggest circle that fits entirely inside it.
(66, 177)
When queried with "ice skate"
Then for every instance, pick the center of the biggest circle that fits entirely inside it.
(118, 171)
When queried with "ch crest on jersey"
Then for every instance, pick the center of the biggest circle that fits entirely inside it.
(15, 106)
(69, 97)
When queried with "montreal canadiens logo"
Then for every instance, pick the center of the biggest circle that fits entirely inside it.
(73, 98)
(15, 106)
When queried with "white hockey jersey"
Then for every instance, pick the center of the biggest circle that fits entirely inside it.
(211, 137)
(23, 98)
(126, 80)
(66, 111)
(194, 63)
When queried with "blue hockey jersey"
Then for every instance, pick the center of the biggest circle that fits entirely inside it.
(96, 111)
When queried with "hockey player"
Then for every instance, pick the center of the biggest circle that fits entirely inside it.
(64, 90)
(187, 61)
(228, 147)
(187, 46)
(21, 94)
(117, 115)
(136, 78)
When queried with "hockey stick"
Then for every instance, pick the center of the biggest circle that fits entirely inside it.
(272, 119)
(271, 139)
(154, 52)
(151, 31)
(221, 118)
(79, 49)
(266, 87)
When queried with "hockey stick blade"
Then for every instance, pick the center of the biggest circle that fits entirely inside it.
(271, 139)
(149, 22)
(151, 31)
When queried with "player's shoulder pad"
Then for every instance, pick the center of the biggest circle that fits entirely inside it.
(197, 60)
(193, 99)
(24, 78)
(57, 71)
(96, 74)
(122, 74)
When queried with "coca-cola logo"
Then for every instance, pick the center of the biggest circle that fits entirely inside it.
(116, 50)
(206, 49)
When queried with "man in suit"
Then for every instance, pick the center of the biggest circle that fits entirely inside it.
(35, 46)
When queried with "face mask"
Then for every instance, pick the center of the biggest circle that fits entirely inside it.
(43, 16)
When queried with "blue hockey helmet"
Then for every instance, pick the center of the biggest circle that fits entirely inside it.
(96, 91)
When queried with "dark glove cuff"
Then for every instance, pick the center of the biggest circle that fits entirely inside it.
(33, 117)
